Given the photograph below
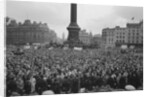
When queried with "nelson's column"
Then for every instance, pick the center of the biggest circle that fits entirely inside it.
(73, 28)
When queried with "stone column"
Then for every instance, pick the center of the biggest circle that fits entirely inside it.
(73, 13)
(73, 28)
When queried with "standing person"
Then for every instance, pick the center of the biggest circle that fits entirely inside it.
(118, 80)
(41, 85)
(27, 86)
(20, 86)
(122, 82)
(11, 86)
(75, 84)
(56, 86)
(66, 84)
(33, 82)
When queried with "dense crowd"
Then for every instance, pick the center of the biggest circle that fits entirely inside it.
(69, 71)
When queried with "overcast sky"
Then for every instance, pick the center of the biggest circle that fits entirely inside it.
(57, 15)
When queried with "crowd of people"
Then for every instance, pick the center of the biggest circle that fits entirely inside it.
(70, 71)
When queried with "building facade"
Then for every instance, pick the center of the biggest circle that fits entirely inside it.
(108, 37)
(27, 32)
(132, 34)
(135, 33)
(120, 36)
(85, 37)
(97, 41)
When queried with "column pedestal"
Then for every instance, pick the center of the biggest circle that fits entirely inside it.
(73, 28)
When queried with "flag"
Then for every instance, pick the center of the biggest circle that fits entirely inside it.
(132, 18)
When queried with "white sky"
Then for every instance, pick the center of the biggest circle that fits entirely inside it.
(57, 15)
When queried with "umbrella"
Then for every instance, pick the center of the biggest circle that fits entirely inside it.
(129, 87)
(48, 92)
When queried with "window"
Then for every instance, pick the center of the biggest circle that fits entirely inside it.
(132, 41)
(133, 34)
(122, 41)
(119, 41)
(129, 34)
(129, 41)
(129, 38)
(123, 37)
(137, 41)
(117, 37)
(34, 35)
(129, 31)
(133, 37)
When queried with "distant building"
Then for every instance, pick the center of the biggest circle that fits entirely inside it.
(120, 36)
(63, 37)
(130, 35)
(97, 40)
(108, 37)
(85, 37)
(27, 32)
(135, 34)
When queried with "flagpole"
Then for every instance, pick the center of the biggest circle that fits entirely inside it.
(133, 19)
